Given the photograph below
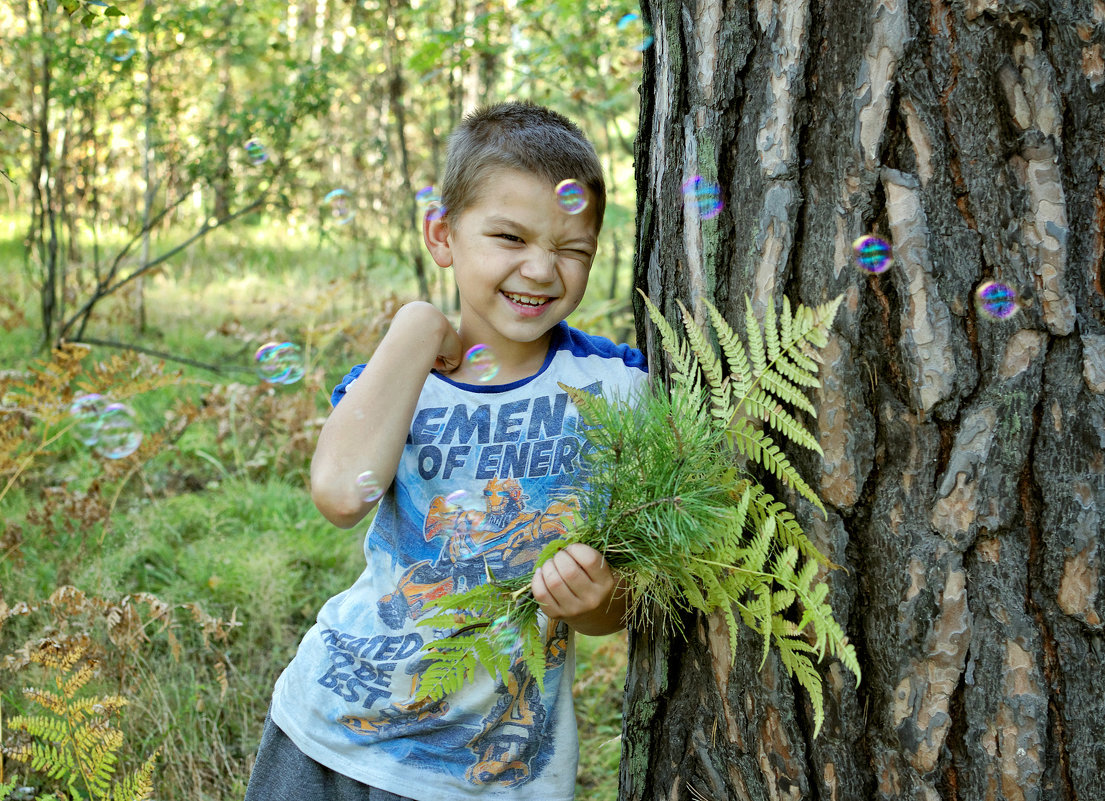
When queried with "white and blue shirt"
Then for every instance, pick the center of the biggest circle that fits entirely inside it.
(488, 476)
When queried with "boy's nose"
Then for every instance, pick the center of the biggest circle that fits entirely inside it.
(540, 266)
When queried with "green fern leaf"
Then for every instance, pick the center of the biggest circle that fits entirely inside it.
(754, 336)
(771, 334)
(740, 373)
(794, 654)
(753, 443)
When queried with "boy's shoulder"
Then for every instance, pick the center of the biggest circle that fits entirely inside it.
(582, 345)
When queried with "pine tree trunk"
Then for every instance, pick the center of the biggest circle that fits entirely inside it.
(964, 467)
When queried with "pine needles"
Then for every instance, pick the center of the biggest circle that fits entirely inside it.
(672, 503)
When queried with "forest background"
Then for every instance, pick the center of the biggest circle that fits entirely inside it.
(135, 220)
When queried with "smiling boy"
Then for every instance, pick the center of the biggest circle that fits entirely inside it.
(479, 475)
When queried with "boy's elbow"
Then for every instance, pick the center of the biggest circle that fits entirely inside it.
(344, 510)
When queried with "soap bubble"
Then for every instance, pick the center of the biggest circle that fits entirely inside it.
(429, 200)
(483, 362)
(703, 196)
(872, 254)
(119, 434)
(120, 44)
(462, 546)
(505, 635)
(633, 31)
(340, 205)
(256, 152)
(456, 498)
(571, 196)
(996, 300)
(369, 487)
(87, 413)
(279, 363)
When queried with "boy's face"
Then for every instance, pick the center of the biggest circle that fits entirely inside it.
(521, 263)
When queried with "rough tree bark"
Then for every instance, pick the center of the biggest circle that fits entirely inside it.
(964, 469)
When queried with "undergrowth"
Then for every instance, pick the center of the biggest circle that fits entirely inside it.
(181, 577)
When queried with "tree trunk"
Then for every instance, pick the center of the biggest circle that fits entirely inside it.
(43, 233)
(396, 102)
(964, 466)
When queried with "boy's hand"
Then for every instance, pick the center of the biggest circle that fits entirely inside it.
(423, 316)
(578, 586)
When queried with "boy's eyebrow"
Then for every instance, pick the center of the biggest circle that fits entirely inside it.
(507, 221)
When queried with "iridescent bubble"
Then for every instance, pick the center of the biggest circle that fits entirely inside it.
(634, 32)
(505, 635)
(119, 434)
(456, 498)
(87, 413)
(121, 44)
(872, 254)
(482, 362)
(996, 300)
(462, 546)
(340, 205)
(429, 200)
(369, 487)
(427, 195)
(256, 152)
(279, 363)
(702, 196)
(571, 197)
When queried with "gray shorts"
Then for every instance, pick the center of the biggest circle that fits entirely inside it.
(284, 773)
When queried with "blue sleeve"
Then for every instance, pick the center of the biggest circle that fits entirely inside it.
(339, 390)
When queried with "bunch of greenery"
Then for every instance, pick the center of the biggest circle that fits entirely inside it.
(671, 502)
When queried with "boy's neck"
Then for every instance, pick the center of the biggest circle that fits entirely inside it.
(516, 360)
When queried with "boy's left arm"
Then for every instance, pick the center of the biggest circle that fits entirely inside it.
(578, 586)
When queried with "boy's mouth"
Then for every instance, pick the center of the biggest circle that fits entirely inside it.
(533, 301)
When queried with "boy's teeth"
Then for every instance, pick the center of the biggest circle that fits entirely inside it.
(525, 300)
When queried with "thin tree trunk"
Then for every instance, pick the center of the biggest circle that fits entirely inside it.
(964, 466)
(149, 127)
(396, 87)
(43, 231)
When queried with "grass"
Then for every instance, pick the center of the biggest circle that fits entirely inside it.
(218, 524)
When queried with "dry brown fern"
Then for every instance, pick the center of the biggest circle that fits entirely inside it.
(73, 740)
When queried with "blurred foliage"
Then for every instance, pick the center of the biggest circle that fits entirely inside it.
(157, 142)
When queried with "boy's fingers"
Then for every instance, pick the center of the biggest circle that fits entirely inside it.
(587, 558)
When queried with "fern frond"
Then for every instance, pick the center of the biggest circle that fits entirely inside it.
(779, 386)
(736, 359)
(754, 336)
(710, 365)
(447, 674)
(75, 742)
(683, 370)
(138, 786)
(771, 334)
(757, 446)
(794, 654)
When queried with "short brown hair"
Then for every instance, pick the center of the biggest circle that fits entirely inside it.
(519, 136)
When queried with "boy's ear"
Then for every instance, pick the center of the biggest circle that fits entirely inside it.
(436, 235)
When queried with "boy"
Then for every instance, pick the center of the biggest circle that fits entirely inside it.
(480, 475)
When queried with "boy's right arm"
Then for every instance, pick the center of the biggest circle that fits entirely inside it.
(368, 428)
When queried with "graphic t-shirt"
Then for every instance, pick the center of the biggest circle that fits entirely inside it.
(488, 476)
